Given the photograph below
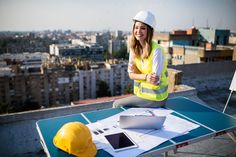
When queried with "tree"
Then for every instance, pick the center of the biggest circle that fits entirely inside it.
(5, 108)
(122, 53)
(30, 105)
(102, 89)
(106, 55)
(128, 89)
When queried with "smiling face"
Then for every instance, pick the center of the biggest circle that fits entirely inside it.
(140, 31)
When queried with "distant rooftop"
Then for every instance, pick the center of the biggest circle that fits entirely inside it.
(99, 100)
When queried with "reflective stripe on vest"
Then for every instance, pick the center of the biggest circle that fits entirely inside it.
(136, 83)
(151, 91)
(154, 91)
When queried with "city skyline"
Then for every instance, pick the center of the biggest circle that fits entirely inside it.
(92, 15)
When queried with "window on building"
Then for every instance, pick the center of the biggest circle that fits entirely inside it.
(217, 40)
(202, 60)
(225, 40)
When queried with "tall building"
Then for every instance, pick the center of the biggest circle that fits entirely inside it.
(101, 39)
(118, 34)
(86, 51)
(194, 54)
(115, 45)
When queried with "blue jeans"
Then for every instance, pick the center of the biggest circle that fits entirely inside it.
(135, 101)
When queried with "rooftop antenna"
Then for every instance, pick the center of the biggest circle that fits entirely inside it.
(193, 22)
(207, 25)
(220, 23)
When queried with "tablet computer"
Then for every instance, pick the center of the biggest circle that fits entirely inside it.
(120, 141)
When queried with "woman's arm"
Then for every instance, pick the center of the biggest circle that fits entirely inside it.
(133, 71)
(136, 74)
(157, 68)
(158, 64)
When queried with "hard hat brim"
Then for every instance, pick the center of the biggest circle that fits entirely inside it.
(91, 151)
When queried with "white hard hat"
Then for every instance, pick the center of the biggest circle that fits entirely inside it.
(146, 17)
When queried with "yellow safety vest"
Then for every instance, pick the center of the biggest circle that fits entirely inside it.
(147, 90)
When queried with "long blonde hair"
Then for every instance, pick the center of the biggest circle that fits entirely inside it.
(136, 47)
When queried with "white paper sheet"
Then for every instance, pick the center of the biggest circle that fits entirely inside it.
(172, 127)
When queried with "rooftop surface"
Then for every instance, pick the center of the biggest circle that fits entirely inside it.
(20, 138)
(220, 146)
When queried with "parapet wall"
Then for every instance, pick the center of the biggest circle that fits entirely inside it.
(208, 76)
(207, 69)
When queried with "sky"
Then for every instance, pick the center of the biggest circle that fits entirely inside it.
(98, 15)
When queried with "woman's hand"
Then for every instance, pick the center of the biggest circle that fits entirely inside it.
(152, 78)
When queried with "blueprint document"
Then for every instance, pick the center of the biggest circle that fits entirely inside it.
(172, 127)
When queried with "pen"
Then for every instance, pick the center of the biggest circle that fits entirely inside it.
(151, 113)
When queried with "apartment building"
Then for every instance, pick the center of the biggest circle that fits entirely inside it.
(182, 45)
(177, 37)
(57, 86)
(83, 51)
(214, 36)
(194, 54)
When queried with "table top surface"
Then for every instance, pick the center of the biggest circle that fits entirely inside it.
(212, 123)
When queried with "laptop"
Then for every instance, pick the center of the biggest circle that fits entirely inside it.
(141, 122)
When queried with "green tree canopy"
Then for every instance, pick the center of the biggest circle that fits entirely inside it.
(122, 53)
(102, 89)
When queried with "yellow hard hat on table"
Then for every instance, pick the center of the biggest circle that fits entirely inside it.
(75, 138)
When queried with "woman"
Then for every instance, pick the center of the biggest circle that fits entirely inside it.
(147, 66)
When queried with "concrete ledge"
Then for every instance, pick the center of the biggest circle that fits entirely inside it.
(51, 112)
(182, 90)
